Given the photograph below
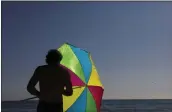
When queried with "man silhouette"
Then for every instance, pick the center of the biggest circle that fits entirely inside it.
(52, 79)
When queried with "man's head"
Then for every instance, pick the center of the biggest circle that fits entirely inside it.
(53, 57)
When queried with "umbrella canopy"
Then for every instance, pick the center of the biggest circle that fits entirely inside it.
(88, 89)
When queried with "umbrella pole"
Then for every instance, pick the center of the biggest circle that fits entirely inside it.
(36, 97)
(29, 98)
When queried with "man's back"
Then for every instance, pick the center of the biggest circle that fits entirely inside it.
(52, 80)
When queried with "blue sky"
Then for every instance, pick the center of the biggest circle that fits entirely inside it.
(130, 43)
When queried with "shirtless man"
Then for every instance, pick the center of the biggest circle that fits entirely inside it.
(52, 80)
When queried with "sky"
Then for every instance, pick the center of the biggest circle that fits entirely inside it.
(130, 42)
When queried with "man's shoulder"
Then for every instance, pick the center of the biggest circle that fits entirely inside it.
(41, 66)
(63, 68)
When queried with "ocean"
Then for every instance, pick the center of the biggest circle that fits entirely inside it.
(107, 106)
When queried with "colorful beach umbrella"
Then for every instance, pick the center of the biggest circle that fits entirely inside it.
(87, 87)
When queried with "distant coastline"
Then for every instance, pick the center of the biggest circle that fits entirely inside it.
(102, 99)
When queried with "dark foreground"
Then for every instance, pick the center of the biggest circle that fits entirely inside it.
(107, 106)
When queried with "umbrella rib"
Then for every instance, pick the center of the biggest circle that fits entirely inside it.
(86, 101)
(77, 93)
(77, 47)
(91, 67)
(79, 62)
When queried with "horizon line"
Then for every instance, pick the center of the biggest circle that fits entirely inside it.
(104, 99)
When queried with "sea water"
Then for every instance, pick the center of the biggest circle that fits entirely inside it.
(107, 106)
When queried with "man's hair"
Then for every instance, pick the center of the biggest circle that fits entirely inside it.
(53, 57)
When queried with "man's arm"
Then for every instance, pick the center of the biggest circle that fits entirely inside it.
(68, 84)
(32, 82)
